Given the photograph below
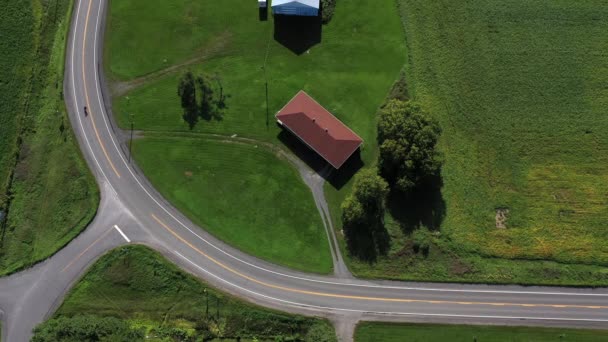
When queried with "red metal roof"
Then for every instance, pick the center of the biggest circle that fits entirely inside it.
(319, 129)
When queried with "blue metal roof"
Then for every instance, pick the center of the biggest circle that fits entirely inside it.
(309, 3)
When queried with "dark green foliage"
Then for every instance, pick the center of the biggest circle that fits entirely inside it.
(136, 283)
(209, 107)
(363, 216)
(85, 328)
(407, 137)
(327, 10)
(206, 90)
(186, 90)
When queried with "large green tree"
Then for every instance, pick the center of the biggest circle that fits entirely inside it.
(407, 137)
(363, 216)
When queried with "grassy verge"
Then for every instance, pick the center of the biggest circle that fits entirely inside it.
(386, 332)
(518, 92)
(137, 285)
(242, 194)
(49, 195)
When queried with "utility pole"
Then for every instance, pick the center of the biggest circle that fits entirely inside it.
(131, 138)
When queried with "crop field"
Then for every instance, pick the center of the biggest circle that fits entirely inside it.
(523, 91)
(519, 88)
(47, 195)
(139, 286)
(386, 332)
(237, 192)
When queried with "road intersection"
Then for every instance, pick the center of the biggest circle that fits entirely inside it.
(132, 211)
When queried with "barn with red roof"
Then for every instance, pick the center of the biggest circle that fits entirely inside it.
(319, 129)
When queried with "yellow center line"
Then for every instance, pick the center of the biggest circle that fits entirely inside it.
(335, 295)
(86, 93)
(86, 249)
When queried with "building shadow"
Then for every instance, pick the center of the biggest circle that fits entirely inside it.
(297, 33)
(303, 152)
(423, 206)
(336, 178)
(339, 178)
(263, 13)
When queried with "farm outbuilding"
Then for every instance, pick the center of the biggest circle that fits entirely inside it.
(309, 8)
(319, 129)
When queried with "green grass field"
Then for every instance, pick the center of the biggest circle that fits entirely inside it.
(518, 88)
(386, 332)
(242, 194)
(350, 71)
(46, 189)
(137, 284)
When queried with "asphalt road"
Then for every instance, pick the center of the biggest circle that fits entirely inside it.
(131, 211)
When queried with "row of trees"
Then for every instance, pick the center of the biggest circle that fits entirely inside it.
(209, 90)
(407, 137)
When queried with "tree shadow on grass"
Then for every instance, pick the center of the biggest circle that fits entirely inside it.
(336, 178)
(368, 244)
(263, 14)
(339, 178)
(423, 206)
(297, 33)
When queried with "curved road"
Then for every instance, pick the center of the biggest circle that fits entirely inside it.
(131, 211)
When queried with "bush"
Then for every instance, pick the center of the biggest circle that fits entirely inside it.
(320, 332)
(86, 328)
(407, 137)
(363, 216)
(422, 240)
(327, 10)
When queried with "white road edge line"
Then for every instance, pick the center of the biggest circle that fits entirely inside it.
(121, 233)
(104, 113)
(73, 74)
(325, 308)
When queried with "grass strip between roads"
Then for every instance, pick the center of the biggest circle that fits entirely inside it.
(137, 285)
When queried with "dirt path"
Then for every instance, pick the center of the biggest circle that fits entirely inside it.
(214, 49)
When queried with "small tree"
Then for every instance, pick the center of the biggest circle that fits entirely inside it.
(363, 216)
(206, 91)
(186, 90)
(407, 137)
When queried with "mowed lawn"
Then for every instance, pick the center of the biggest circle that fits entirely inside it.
(386, 332)
(243, 194)
(350, 71)
(138, 285)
